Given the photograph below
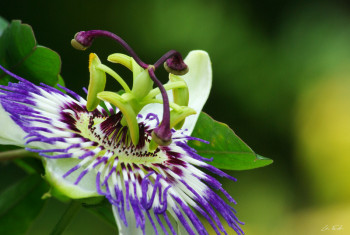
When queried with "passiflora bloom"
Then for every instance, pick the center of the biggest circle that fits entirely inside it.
(131, 148)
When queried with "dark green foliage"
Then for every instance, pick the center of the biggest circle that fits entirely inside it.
(20, 53)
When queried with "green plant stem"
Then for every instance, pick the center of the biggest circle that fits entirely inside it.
(18, 153)
(66, 218)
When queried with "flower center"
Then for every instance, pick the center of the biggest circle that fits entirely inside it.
(131, 103)
(108, 133)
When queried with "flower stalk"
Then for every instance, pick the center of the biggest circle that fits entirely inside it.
(18, 153)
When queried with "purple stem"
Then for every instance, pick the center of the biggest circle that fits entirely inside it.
(163, 130)
(86, 38)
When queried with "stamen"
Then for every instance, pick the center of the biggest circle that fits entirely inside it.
(84, 39)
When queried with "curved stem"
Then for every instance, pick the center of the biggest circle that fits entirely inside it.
(90, 35)
(166, 56)
(18, 153)
(66, 218)
(164, 128)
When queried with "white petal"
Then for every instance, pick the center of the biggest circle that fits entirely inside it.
(153, 108)
(131, 228)
(199, 80)
(10, 132)
(55, 168)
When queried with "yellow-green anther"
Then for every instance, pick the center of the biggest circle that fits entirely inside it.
(127, 110)
(142, 85)
(121, 59)
(97, 82)
(136, 69)
(177, 118)
(181, 97)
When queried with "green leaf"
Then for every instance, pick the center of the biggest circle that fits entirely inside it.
(3, 24)
(20, 204)
(226, 148)
(104, 211)
(20, 53)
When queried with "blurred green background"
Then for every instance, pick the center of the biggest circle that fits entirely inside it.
(281, 82)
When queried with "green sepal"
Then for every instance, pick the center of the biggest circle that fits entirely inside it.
(97, 82)
(127, 110)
